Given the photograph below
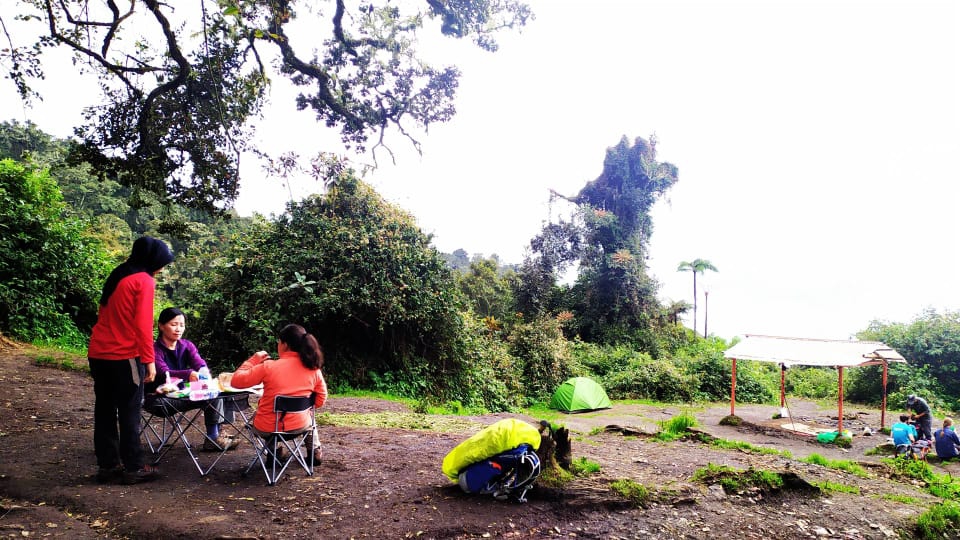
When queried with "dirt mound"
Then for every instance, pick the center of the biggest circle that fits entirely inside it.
(378, 482)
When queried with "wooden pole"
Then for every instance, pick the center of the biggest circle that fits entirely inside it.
(783, 386)
(733, 386)
(840, 401)
(883, 400)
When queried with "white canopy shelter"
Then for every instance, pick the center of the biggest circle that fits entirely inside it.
(788, 351)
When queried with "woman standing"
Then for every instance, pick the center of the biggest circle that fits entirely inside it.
(295, 373)
(122, 359)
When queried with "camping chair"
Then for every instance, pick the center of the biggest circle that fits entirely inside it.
(155, 438)
(278, 448)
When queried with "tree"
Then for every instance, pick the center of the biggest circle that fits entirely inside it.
(698, 266)
(182, 82)
(486, 290)
(51, 270)
(931, 345)
(614, 299)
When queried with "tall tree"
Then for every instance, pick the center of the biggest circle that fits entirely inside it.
(614, 299)
(697, 266)
(182, 81)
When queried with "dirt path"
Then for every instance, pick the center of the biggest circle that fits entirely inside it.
(386, 483)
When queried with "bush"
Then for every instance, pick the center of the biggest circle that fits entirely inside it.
(356, 272)
(940, 521)
(813, 382)
(51, 270)
(543, 354)
(757, 382)
(645, 378)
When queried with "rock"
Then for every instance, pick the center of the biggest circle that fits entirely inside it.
(716, 492)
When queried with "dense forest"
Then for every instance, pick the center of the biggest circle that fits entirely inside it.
(394, 314)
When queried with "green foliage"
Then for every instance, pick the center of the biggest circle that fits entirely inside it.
(905, 499)
(839, 464)
(630, 490)
(51, 270)
(737, 480)
(827, 486)
(642, 377)
(931, 345)
(542, 352)
(757, 382)
(582, 466)
(180, 131)
(812, 382)
(676, 427)
(357, 273)
(488, 292)
(747, 447)
(910, 468)
(940, 521)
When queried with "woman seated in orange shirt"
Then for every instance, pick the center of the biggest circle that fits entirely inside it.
(295, 373)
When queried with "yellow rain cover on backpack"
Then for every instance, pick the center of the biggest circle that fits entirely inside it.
(492, 440)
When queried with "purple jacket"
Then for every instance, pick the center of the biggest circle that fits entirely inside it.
(179, 362)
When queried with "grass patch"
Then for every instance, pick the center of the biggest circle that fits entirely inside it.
(832, 487)
(676, 427)
(583, 467)
(746, 447)
(940, 521)
(840, 464)
(66, 362)
(595, 431)
(940, 485)
(905, 499)
(555, 477)
(738, 480)
(632, 491)
(398, 421)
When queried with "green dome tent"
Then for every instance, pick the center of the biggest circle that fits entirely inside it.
(579, 394)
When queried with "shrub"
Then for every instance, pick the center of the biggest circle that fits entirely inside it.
(940, 521)
(51, 270)
(645, 378)
(542, 353)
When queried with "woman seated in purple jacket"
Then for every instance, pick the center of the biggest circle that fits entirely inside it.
(178, 358)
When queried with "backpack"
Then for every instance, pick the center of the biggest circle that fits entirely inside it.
(506, 476)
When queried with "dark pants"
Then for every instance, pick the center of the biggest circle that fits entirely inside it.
(924, 427)
(118, 388)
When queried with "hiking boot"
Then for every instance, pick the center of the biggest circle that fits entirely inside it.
(223, 443)
(109, 474)
(146, 473)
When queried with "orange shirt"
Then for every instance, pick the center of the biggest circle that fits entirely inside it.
(284, 376)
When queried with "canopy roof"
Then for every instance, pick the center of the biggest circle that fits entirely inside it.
(812, 352)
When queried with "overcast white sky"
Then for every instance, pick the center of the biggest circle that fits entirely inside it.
(818, 144)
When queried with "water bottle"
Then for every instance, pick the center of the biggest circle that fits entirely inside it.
(204, 373)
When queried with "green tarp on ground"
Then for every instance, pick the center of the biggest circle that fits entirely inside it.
(579, 394)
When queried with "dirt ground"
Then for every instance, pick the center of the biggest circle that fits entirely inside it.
(386, 483)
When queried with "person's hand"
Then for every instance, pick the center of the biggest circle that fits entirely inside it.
(194, 376)
(151, 373)
(262, 355)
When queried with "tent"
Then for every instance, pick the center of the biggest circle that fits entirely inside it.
(579, 394)
(838, 354)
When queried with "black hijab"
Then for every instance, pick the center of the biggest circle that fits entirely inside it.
(148, 255)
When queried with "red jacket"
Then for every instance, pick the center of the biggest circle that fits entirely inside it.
(284, 376)
(124, 326)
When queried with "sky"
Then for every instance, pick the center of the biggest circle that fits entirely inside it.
(818, 147)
